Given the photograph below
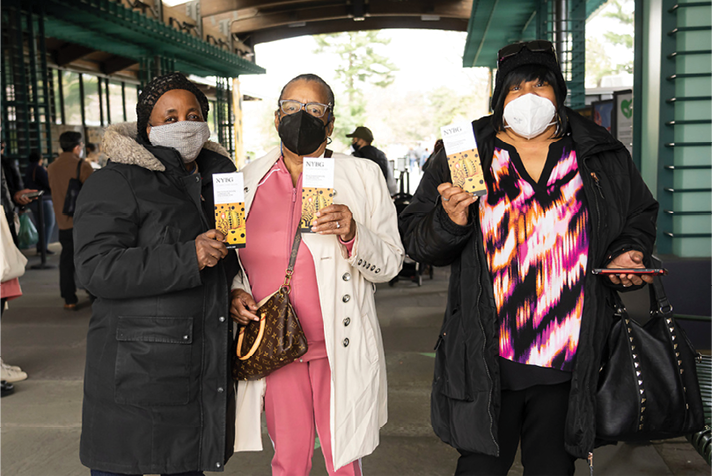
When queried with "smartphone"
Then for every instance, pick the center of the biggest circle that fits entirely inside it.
(36, 194)
(648, 271)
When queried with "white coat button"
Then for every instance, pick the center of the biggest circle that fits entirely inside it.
(346, 342)
(346, 277)
(378, 270)
(221, 319)
(373, 267)
(347, 321)
(360, 261)
(220, 390)
(346, 298)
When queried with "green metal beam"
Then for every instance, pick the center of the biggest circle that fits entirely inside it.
(111, 27)
(512, 19)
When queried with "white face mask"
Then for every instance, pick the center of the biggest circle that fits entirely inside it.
(529, 115)
(187, 137)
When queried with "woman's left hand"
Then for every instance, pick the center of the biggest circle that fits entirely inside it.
(335, 220)
(629, 259)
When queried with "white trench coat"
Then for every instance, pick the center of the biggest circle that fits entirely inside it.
(358, 404)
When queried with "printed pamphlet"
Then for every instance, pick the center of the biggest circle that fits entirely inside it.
(463, 158)
(317, 188)
(229, 195)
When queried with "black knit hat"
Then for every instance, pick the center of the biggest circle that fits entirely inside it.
(524, 57)
(157, 88)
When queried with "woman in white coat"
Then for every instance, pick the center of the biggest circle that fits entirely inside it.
(338, 388)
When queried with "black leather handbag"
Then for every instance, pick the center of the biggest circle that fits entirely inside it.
(647, 387)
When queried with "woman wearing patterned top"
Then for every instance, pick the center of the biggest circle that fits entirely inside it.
(520, 347)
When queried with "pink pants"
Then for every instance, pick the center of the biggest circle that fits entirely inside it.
(297, 398)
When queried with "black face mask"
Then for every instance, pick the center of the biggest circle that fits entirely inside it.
(301, 132)
(355, 146)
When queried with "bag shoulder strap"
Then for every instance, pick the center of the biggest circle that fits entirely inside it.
(79, 169)
(328, 153)
(295, 249)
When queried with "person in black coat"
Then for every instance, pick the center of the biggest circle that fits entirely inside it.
(519, 351)
(158, 392)
(36, 177)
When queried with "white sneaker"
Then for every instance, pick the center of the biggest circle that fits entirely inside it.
(14, 367)
(11, 373)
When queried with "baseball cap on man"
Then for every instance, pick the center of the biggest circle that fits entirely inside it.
(362, 133)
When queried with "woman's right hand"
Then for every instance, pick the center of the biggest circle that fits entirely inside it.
(456, 202)
(242, 307)
(210, 248)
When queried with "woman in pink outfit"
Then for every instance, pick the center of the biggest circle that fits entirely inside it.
(337, 390)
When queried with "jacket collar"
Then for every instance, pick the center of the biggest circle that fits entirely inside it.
(121, 145)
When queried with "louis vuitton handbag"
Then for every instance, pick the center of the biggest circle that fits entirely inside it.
(277, 339)
(648, 387)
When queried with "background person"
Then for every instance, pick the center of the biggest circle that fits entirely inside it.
(361, 139)
(93, 156)
(36, 177)
(60, 172)
(355, 244)
(13, 197)
(157, 388)
(520, 348)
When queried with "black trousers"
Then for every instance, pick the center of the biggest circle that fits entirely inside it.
(67, 286)
(537, 416)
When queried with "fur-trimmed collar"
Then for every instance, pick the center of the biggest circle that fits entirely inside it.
(121, 146)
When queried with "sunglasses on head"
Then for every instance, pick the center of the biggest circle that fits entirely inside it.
(536, 46)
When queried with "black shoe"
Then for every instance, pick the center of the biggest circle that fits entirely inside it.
(7, 388)
(49, 252)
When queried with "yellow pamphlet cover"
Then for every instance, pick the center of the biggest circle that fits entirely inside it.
(463, 158)
(317, 188)
(313, 200)
(229, 195)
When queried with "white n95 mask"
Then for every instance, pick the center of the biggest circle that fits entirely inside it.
(529, 115)
(187, 137)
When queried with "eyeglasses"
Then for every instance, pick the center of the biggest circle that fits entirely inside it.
(316, 109)
(536, 46)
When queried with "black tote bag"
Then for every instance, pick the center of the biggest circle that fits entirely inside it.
(75, 185)
(648, 387)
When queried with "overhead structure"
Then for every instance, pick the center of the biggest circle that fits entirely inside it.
(109, 26)
(258, 21)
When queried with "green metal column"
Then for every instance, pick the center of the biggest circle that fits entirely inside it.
(685, 147)
(153, 66)
(225, 115)
(25, 94)
(563, 22)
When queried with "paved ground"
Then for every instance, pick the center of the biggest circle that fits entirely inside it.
(41, 421)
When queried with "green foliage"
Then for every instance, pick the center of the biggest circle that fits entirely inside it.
(598, 60)
(360, 65)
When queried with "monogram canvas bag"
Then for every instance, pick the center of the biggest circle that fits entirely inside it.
(277, 339)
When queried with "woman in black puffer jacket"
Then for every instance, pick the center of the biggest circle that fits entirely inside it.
(158, 392)
(520, 347)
